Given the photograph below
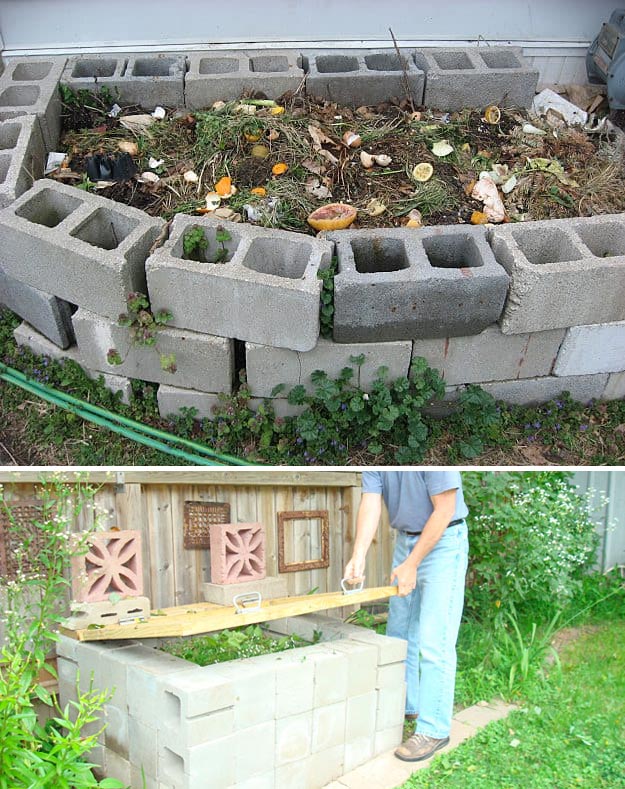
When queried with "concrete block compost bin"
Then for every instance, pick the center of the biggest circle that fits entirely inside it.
(300, 718)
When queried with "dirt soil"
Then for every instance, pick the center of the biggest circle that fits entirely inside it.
(562, 172)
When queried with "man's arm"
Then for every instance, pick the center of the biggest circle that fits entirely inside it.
(444, 508)
(367, 522)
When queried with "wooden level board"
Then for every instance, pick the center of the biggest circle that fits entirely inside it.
(193, 620)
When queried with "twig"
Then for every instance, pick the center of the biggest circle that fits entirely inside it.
(404, 71)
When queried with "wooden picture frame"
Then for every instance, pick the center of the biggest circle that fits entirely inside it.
(310, 564)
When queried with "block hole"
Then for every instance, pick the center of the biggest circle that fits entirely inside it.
(24, 72)
(173, 707)
(452, 60)
(173, 767)
(268, 63)
(153, 67)
(94, 68)
(604, 240)
(218, 65)
(289, 260)
(19, 96)
(9, 135)
(546, 246)
(499, 59)
(336, 64)
(212, 251)
(240, 361)
(384, 61)
(373, 255)
(453, 251)
(48, 208)
(5, 163)
(105, 229)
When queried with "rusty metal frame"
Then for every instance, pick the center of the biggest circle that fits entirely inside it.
(309, 564)
(23, 514)
(198, 517)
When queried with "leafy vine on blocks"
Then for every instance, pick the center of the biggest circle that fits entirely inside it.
(143, 327)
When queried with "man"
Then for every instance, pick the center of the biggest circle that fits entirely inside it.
(427, 510)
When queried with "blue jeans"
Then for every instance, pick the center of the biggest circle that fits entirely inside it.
(429, 619)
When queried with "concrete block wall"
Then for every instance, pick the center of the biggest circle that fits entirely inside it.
(516, 308)
(22, 156)
(299, 718)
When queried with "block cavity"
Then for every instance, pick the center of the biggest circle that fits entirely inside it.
(22, 156)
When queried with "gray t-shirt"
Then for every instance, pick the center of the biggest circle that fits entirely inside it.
(407, 494)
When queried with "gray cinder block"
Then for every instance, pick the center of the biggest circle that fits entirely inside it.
(51, 316)
(354, 78)
(146, 79)
(267, 291)
(29, 86)
(592, 349)
(476, 77)
(226, 75)
(491, 355)
(171, 399)
(203, 362)
(267, 367)
(83, 248)
(22, 156)
(398, 284)
(528, 391)
(564, 272)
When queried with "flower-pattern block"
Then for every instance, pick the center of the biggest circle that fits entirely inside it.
(237, 552)
(111, 566)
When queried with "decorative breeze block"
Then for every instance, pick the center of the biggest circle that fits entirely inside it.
(18, 530)
(237, 552)
(112, 565)
(198, 517)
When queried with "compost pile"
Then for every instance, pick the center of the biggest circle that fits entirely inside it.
(273, 163)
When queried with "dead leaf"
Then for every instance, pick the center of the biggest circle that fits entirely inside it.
(137, 124)
(313, 167)
(535, 456)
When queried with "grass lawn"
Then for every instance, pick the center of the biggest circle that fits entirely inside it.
(569, 733)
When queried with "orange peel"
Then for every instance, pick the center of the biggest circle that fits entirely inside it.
(224, 187)
(280, 168)
(260, 191)
(479, 218)
(492, 114)
(333, 216)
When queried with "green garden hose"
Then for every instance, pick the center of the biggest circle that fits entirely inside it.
(135, 431)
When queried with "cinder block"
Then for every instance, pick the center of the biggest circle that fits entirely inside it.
(211, 764)
(22, 156)
(390, 649)
(27, 336)
(528, 391)
(265, 781)
(615, 388)
(328, 726)
(295, 682)
(66, 647)
(327, 765)
(267, 290)
(281, 407)
(255, 751)
(116, 737)
(592, 349)
(237, 552)
(143, 781)
(268, 367)
(330, 675)
(491, 355)
(362, 665)
(270, 587)
(390, 707)
(254, 683)
(391, 675)
(387, 739)
(108, 562)
(144, 680)
(51, 316)
(29, 86)
(198, 730)
(202, 362)
(330, 627)
(143, 746)
(563, 272)
(476, 77)
(354, 79)
(115, 766)
(293, 774)
(402, 284)
(357, 752)
(196, 693)
(86, 614)
(172, 399)
(94, 249)
(293, 738)
(225, 76)
(361, 715)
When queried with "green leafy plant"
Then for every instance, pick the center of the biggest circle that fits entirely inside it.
(233, 644)
(475, 423)
(31, 755)
(195, 244)
(86, 184)
(143, 327)
(222, 236)
(326, 312)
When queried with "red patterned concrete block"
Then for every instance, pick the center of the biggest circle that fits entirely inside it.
(111, 565)
(237, 552)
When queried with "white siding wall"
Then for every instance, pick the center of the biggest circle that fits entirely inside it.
(610, 517)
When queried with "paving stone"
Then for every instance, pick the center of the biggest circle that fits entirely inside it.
(227, 75)
(478, 717)
(94, 248)
(456, 78)
(267, 290)
(269, 367)
(28, 86)
(353, 79)
(491, 355)
(402, 284)
(22, 156)
(564, 272)
(592, 349)
(202, 361)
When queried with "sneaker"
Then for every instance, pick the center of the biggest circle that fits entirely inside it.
(411, 716)
(419, 747)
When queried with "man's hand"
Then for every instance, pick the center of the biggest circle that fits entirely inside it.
(355, 569)
(406, 576)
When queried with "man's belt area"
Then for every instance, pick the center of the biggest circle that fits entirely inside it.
(451, 523)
